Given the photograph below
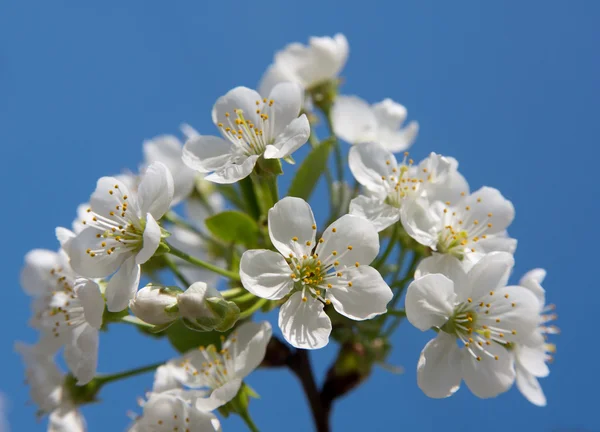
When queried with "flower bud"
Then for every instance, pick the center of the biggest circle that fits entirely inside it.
(203, 308)
(156, 304)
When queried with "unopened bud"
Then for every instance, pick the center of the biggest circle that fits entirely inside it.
(156, 304)
(203, 308)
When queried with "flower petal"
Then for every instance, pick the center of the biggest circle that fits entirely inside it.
(368, 163)
(488, 377)
(490, 273)
(265, 274)
(155, 192)
(231, 173)
(81, 353)
(97, 266)
(375, 210)
(489, 201)
(219, 396)
(88, 293)
(367, 297)
(103, 202)
(174, 413)
(533, 359)
(251, 339)
(529, 386)
(389, 114)
(421, 221)
(450, 267)
(532, 281)
(35, 276)
(207, 153)
(287, 102)
(438, 371)
(122, 286)
(430, 301)
(66, 419)
(291, 139)
(238, 98)
(353, 240)
(152, 235)
(289, 219)
(353, 120)
(304, 324)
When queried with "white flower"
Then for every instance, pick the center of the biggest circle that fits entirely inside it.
(155, 304)
(168, 150)
(174, 411)
(122, 232)
(357, 122)
(532, 355)
(220, 372)
(322, 60)
(68, 310)
(465, 229)
(389, 184)
(333, 270)
(48, 392)
(251, 127)
(480, 312)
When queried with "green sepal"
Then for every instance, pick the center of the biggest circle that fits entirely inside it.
(161, 327)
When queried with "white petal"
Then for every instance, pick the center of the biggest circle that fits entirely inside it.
(251, 341)
(367, 297)
(122, 286)
(375, 210)
(88, 293)
(239, 98)
(450, 267)
(354, 240)
(529, 386)
(207, 153)
(35, 276)
(152, 235)
(266, 274)
(304, 324)
(97, 266)
(292, 218)
(490, 273)
(497, 243)
(66, 419)
(448, 185)
(398, 141)
(275, 74)
(231, 173)
(166, 378)
(430, 301)
(291, 139)
(353, 120)
(103, 202)
(64, 236)
(81, 353)
(421, 221)
(368, 163)
(155, 192)
(488, 377)
(174, 413)
(533, 359)
(219, 396)
(287, 102)
(439, 371)
(532, 281)
(491, 202)
(389, 114)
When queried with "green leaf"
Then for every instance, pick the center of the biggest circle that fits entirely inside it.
(310, 170)
(234, 227)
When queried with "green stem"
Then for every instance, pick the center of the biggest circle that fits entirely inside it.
(248, 420)
(265, 192)
(130, 319)
(244, 298)
(247, 188)
(199, 263)
(173, 267)
(390, 246)
(339, 163)
(247, 313)
(105, 379)
(273, 188)
(232, 293)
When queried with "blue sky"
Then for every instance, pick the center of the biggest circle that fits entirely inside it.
(509, 89)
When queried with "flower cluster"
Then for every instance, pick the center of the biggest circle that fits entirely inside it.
(203, 228)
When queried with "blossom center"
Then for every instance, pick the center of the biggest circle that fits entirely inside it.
(216, 367)
(461, 230)
(250, 138)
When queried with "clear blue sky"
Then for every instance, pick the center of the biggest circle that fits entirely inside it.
(511, 89)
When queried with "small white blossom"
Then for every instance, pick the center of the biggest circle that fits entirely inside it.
(174, 411)
(67, 310)
(122, 232)
(252, 127)
(218, 372)
(389, 184)
(357, 122)
(477, 310)
(531, 356)
(155, 304)
(465, 229)
(332, 270)
(48, 392)
(307, 65)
